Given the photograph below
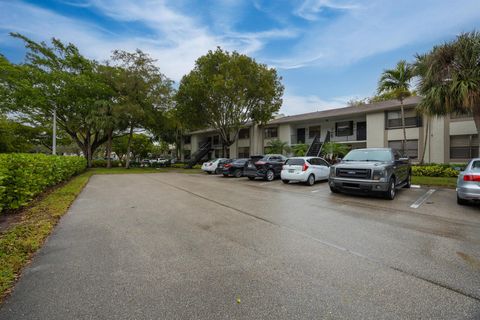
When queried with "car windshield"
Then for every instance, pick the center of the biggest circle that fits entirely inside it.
(368, 155)
(295, 162)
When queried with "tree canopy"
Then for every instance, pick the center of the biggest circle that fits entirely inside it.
(226, 90)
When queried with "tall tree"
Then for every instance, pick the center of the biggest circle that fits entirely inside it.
(144, 93)
(450, 78)
(59, 78)
(398, 81)
(226, 90)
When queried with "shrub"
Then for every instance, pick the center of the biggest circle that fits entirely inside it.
(100, 163)
(23, 176)
(434, 170)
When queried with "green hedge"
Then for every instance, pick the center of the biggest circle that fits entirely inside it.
(434, 170)
(23, 176)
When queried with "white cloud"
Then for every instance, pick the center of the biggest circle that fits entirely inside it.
(310, 9)
(376, 27)
(174, 39)
(295, 104)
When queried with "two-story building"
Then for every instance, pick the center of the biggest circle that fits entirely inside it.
(448, 139)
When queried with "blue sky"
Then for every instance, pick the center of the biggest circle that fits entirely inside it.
(327, 51)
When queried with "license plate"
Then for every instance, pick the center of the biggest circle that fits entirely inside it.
(251, 166)
(291, 170)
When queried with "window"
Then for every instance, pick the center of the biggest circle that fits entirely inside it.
(464, 146)
(244, 133)
(243, 152)
(187, 139)
(344, 128)
(216, 140)
(394, 119)
(314, 131)
(271, 132)
(411, 147)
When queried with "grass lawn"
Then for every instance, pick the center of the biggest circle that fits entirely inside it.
(446, 182)
(21, 238)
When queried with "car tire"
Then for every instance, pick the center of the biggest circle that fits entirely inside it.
(251, 178)
(391, 192)
(237, 173)
(217, 171)
(269, 175)
(461, 201)
(334, 190)
(286, 181)
(408, 183)
(310, 180)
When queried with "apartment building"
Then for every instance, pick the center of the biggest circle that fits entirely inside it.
(448, 139)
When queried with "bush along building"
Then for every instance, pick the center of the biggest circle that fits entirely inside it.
(450, 139)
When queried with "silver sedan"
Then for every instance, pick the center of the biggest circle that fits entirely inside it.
(468, 183)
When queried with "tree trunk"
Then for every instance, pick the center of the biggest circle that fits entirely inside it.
(427, 136)
(404, 142)
(130, 135)
(476, 118)
(109, 148)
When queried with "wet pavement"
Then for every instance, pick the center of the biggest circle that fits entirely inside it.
(179, 246)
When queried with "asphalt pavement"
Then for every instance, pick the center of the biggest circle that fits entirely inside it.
(180, 246)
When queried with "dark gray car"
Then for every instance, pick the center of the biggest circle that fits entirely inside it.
(371, 170)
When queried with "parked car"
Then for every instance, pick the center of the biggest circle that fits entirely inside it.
(305, 169)
(163, 162)
(214, 166)
(468, 183)
(268, 167)
(235, 168)
(371, 170)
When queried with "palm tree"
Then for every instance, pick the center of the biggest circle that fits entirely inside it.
(450, 78)
(277, 146)
(398, 82)
(333, 150)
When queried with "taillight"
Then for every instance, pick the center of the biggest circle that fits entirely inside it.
(227, 165)
(305, 167)
(259, 163)
(471, 177)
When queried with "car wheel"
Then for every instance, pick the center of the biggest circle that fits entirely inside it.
(270, 175)
(237, 173)
(311, 180)
(217, 171)
(461, 201)
(391, 192)
(251, 178)
(334, 190)
(408, 182)
(286, 181)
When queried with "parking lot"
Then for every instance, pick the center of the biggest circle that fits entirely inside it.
(176, 246)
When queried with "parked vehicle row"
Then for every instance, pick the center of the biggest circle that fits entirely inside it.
(371, 170)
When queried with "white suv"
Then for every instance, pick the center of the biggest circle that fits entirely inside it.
(305, 169)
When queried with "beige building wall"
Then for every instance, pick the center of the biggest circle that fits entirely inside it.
(437, 144)
(376, 130)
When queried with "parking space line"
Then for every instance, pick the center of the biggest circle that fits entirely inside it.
(422, 199)
(415, 186)
(263, 183)
(316, 190)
